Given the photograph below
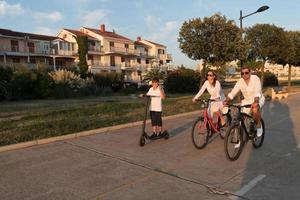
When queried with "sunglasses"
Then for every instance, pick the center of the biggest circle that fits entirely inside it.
(209, 75)
(242, 73)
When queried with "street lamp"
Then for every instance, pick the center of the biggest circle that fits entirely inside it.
(261, 9)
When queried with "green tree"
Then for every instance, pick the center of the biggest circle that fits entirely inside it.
(183, 80)
(214, 39)
(294, 52)
(268, 42)
(82, 42)
(154, 73)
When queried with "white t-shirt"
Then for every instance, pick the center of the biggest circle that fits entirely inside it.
(214, 91)
(155, 104)
(250, 91)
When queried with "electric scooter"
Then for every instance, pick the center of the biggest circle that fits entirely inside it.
(145, 136)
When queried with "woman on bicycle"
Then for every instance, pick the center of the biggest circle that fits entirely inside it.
(213, 86)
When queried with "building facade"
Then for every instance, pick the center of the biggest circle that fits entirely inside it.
(107, 51)
(31, 49)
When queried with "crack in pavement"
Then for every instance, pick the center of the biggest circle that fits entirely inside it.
(210, 188)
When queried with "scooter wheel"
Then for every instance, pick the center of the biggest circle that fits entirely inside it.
(166, 135)
(142, 141)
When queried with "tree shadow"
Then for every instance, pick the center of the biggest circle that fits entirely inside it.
(271, 171)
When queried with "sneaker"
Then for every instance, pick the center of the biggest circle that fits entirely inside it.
(237, 145)
(259, 132)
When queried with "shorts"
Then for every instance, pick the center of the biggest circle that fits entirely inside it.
(216, 106)
(156, 118)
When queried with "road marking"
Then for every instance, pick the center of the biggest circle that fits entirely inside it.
(249, 186)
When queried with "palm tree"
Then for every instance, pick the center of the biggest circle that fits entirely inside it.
(154, 73)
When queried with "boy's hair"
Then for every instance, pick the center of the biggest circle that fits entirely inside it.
(246, 67)
(155, 79)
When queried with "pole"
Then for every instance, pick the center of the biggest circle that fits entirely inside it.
(241, 27)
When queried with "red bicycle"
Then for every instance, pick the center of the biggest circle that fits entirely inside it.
(206, 126)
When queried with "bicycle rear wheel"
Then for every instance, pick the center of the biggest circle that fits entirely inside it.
(258, 141)
(233, 142)
(200, 133)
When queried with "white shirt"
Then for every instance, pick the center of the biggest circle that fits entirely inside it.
(214, 91)
(250, 91)
(155, 104)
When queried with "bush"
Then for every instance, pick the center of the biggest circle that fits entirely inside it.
(183, 81)
(6, 74)
(112, 80)
(270, 79)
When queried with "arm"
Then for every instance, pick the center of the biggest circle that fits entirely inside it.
(235, 90)
(201, 91)
(162, 93)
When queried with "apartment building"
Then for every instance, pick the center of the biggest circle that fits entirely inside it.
(121, 54)
(107, 51)
(31, 49)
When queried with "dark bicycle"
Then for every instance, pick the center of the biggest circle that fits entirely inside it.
(205, 126)
(242, 129)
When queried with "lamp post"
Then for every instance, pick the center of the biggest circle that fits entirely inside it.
(261, 9)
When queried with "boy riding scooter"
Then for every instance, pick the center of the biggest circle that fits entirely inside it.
(155, 95)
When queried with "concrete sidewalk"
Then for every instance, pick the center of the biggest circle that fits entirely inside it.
(112, 165)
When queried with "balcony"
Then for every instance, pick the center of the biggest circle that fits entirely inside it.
(169, 57)
(123, 50)
(63, 52)
(24, 51)
(94, 50)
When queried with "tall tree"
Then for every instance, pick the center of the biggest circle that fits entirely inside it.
(268, 42)
(294, 52)
(82, 42)
(214, 39)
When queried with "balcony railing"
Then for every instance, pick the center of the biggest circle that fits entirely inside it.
(123, 50)
(94, 48)
(63, 52)
(169, 57)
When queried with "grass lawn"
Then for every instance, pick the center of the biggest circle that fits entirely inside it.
(30, 120)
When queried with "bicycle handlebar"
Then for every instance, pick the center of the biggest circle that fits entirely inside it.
(148, 96)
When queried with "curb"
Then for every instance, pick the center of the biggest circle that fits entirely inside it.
(84, 133)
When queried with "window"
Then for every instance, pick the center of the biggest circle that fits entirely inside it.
(16, 60)
(122, 59)
(30, 47)
(160, 51)
(126, 46)
(111, 44)
(61, 45)
(14, 45)
(32, 60)
(147, 61)
(112, 61)
(138, 60)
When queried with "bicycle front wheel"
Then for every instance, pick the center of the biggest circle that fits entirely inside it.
(200, 133)
(233, 142)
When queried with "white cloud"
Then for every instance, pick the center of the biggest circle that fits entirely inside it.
(53, 16)
(94, 18)
(45, 31)
(160, 30)
(10, 9)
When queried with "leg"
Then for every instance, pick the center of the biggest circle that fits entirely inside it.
(256, 116)
(221, 118)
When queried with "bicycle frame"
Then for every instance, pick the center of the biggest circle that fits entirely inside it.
(208, 121)
(241, 119)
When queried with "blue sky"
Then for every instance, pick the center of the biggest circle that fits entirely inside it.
(157, 20)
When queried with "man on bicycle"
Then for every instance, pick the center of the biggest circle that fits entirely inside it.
(250, 86)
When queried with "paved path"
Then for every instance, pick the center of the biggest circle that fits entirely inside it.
(113, 166)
